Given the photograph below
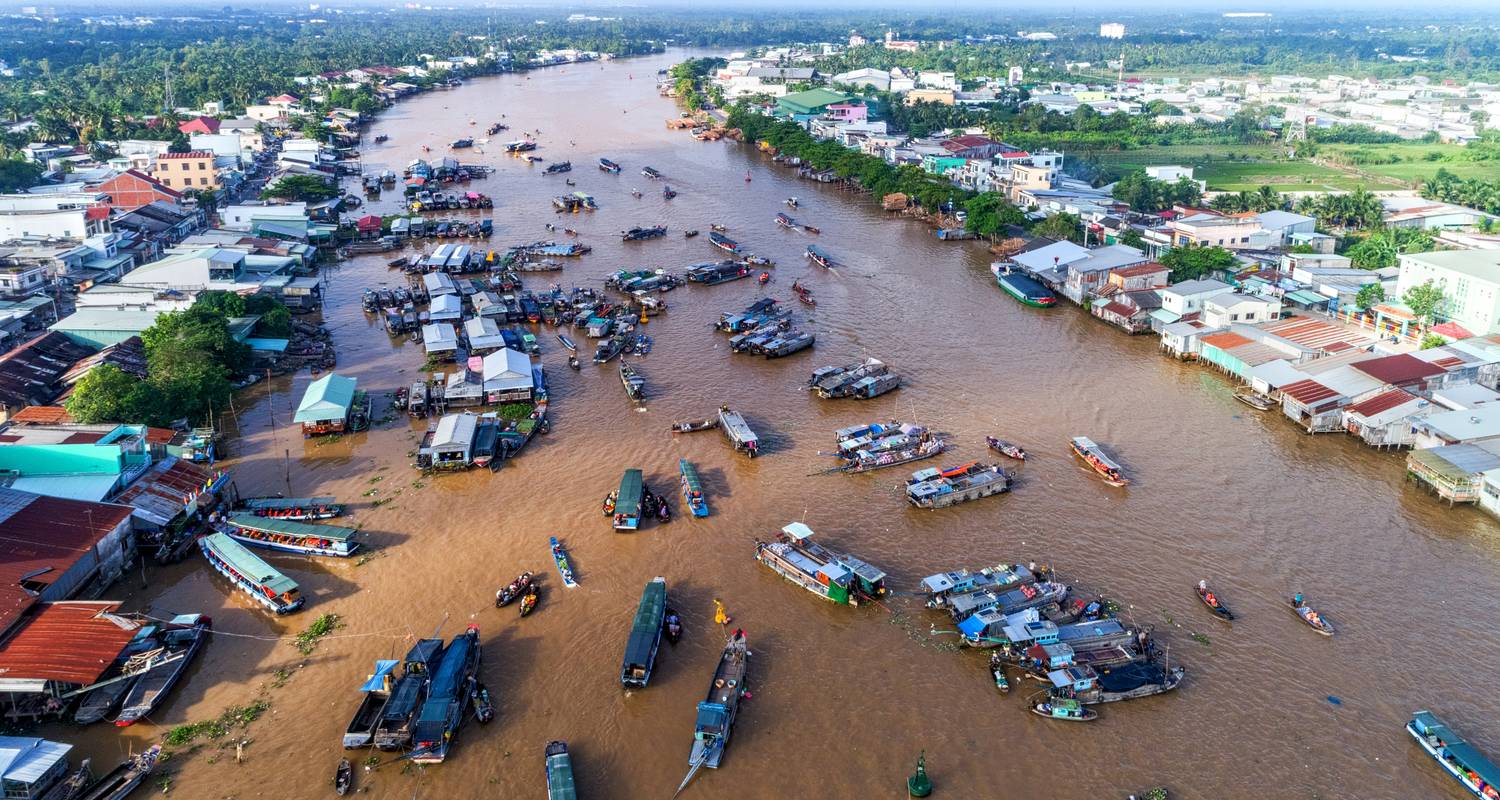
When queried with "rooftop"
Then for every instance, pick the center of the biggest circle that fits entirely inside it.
(41, 538)
(189, 154)
(69, 642)
(326, 398)
(1481, 264)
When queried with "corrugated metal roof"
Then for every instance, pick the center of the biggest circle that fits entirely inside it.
(165, 489)
(1457, 461)
(70, 642)
(41, 415)
(1313, 333)
(1255, 353)
(1398, 369)
(1384, 401)
(41, 538)
(1225, 340)
(1308, 392)
(326, 398)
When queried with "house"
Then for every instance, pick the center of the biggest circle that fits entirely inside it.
(1458, 427)
(449, 445)
(1182, 339)
(57, 548)
(1401, 370)
(1384, 420)
(972, 146)
(194, 270)
(1127, 310)
(438, 283)
(774, 75)
(190, 171)
(1227, 308)
(1281, 227)
(132, 189)
(940, 96)
(508, 377)
(877, 79)
(1084, 277)
(1417, 212)
(1460, 473)
(245, 216)
(809, 103)
(158, 225)
(199, 125)
(99, 327)
(1150, 275)
(440, 341)
(29, 767)
(1187, 297)
(1215, 230)
(446, 308)
(30, 374)
(65, 215)
(50, 649)
(483, 333)
(83, 462)
(1470, 280)
(326, 405)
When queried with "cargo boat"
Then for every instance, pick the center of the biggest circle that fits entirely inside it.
(1026, 289)
(605, 165)
(863, 379)
(715, 272)
(786, 344)
(723, 242)
(250, 575)
(291, 536)
(1002, 602)
(836, 577)
(935, 488)
(869, 460)
(520, 146)
(447, 703)
(645, 635)
(559, 167)
(944, 586)
(630, 378)
(360, 731)
(738, 431)
(393, 729)
(692, 488)
(560, 765)
(639, 234)
(298, 508)
(717, 712)
(626, 515)
(125, 778)
(180, 639)
(1460, 759)
(1094, 456)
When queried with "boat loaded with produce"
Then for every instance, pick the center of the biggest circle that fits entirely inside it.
(838, 577)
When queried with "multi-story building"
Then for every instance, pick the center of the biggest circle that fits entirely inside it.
(191, 171)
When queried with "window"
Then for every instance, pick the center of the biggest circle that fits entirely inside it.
(200, 167)
(1234, 317)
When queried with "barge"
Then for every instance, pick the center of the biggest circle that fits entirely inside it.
(836, 577)
(935, 488)
(738, 431)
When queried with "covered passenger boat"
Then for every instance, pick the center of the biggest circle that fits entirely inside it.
(645, 635)
(293, 507)
(627, 511)
(250, 575)
(692, 488)
(291, 536)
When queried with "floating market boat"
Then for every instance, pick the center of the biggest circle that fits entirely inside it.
(1312, 618)
(816, 255)
(457, 144)
(298, 508)
(787, 343)
(125, 778)
(626, 514)
(738, 431)
(181, 638)
(1130, 681)
(447, 704)
(561, 166)
(717, 712)
(645, 635)
(343, 777)
(250, 575)
(634, 383)
(846, 381)
(565, 569)
(716, 272)
(833, 576)
(1005, 448)
(692, 488)
(1094, 456)
(641, 234)
(1002, 602)
(699, 425)
(935, 488)
(723, 242)
(668, 192)
(1064, 708)
(291, 536)
(1213, 602)
(586, 201)
(785, 221)
(529, 601)
(520, 146)
(605, 165)
(393, 730)
(651, 172)
(1026, 289)
(608, 348)
(872, 459)
(1459, 758)
(514, 589)
(360, 731)
(560, 767)
(944, 586)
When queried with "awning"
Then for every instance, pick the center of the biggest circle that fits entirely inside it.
(383, 668)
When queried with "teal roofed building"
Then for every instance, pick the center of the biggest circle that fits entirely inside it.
(326, 405)
(810, 102)
(30, 767)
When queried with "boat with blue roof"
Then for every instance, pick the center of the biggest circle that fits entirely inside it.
(943, 586)
(692, 488)
(940, 488)
(251, 575)
(1471, 768)
(837, 577)
(717, 711)
(447, 703)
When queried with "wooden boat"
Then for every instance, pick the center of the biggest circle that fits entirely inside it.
(712, 273)
(507, 594)
(560, 557)
(810, 229)
(692, 488)
(717, 712)
(833, 576)
(817, 256)
(943, 587)
(631, 379)
(1458, 758)
(295, 508)
(668, 192)
(393, 728)
(1213, 602)
(559, 772)
(792, 202)
(700, 425)
(124, 779)
(1025, 289)
(626, 511)
(251, 575)
(849, 380)
(574, 363)
(651, 172)
(1064, 708)
(528, 603)
(558, 167)
(935, 488)
(447, 704)
(1310, 617)
(343, 777)
(723, 242)
(997, 670)
(785, 221)
(873, 459)
(605, 165)
(183, 637)
(645, 635)
(397, 263)
(484, 707)
(360, 731)
(73, 786)
(100, 701)
(806, 298)
(738, 432)
(1094, 456)
(1005, 448)
(568, 343)
(690, 234)
(1255, 400)
(672, 626)
(291, 536)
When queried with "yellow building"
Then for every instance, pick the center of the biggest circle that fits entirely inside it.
(943, 96)
(192, 171)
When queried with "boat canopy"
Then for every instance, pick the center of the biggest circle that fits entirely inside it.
(287, 527)
(280, 503)
(711, 719)
(383, 667)
(1456, 748)
(690, 474)
(630, 490)
(445, 682)
(869, 574)
(246, 563)
(646, 630)
(798, 531)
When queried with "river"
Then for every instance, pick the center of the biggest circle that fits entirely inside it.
(843, 699)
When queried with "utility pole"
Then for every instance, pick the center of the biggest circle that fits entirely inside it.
(168, 101)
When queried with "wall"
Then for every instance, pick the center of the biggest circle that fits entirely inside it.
(61, 459)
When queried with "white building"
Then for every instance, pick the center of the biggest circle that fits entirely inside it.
(1222, 310)
(1187, 297)
(1112, 30)
(242, 217)
(72, 215)
(1470, 279)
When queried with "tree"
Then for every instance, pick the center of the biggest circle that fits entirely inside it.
(16, 175)
(179, 143)
(1424, 301)
(1132, 238)
(1431, 340)
(1062, 227)
(990, 213)
(102, 395)
(308, 188)
(1192, 263)
(1369, 295)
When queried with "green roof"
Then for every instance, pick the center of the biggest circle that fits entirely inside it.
(290, 527)
(326, 398)
(248, 564)
(813, 99)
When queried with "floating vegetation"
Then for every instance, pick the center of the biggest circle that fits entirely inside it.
(307, 640)
(233, 717)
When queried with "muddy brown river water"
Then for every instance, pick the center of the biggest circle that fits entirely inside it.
(843, 699)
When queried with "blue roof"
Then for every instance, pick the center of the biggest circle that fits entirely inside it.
(267, 345)
(25, 759)
(328, 397)
(383, 668)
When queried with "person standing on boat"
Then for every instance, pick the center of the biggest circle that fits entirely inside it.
(1297, 599)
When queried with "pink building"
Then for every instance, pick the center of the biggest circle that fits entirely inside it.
(849, 112)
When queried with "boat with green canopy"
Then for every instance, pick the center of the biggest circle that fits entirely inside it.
(1469, 766)
(645, 635)
(291, 536)
(627, 504)
(250, 575)
(560, 772)
(692, 488)
(294, 507)
(833, 576)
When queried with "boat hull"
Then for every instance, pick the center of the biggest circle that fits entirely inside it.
(1032, 298)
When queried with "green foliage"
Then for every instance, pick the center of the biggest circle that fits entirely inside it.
(990, 213)
(1132, 238)
(102, 395)
(1446, 187)
(233, 717)
(305, 188)
(17, 174)
(1431, 340)
(1369, 296)
(1062, 227)
(1382, 246)
(1424, 301)
(1356, 210)
(1148, 194)
(307, 640)
(1191, 263)
(1263, 199)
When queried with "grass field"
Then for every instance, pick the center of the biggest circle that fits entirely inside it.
(1411, 161)
(1283, 176)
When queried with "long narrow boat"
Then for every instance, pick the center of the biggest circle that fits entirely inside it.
(837, 577)
(631, 379)
(560, 770)
(717, 712)
(360, 732)
(645, 635)
(1025, 289)
(447, 703)
(935, 488)
(785, 220)
(250, 575)
(738, 431)
(299, 508)
(1460, 759)
(626, 515)
(692, 488)
(605, 165)
(140, 653)
(291, 536)
(1310, 617)
(1213, 602)
(393, 731)
(565, 569)
(1094, 456)
(1005, 448)
(870, 460)
(723, 242)
(651, 172)
(183, 636)
(1065, 709)
(124, 779)
(816, 255)
(568, 343)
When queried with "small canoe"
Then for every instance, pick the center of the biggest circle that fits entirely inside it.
(689, 234)
(1257, 401)
(811, 229)
(566, 342)
(343, 778)
(573, 362)
(672, 626)
(1005, 448)
(1213, 603)
(997, 669)
(700, 425)
(484, 708)
(1312, 618)
(1070, 710)
(565, 569)
(528, 603)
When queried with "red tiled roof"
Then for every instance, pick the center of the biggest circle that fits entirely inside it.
(1402, 368)
(1148, 268)
(200, 125)
(1016, 154)
(1119, 309)
(1452, 330)
(285, 98)
(1225, 340)
(189, 154)
(41, 415)
(71, 642)
(1385, 401)
(42, 538)
(1308, 392)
